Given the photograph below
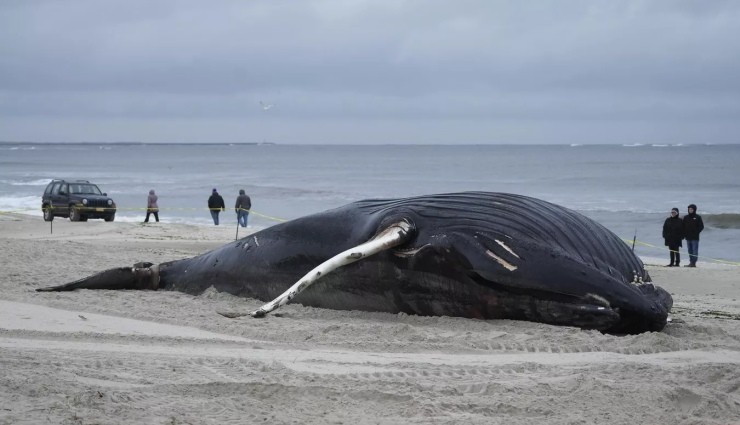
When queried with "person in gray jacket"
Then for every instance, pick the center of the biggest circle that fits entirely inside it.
(151, 206)
(242, 207)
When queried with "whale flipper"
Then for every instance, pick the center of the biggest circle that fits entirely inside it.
(394, 235)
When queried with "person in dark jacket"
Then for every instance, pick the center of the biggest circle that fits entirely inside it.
(673, 234)
(215, 205)
(242, 207)
(692, 226)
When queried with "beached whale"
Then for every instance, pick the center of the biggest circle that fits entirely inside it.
(472, 254)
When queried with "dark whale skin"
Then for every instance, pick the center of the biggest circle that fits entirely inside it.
(472, 254)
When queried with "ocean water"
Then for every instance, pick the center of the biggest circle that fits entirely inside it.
(629, 189)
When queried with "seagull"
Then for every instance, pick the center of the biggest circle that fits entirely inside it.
(266, 107)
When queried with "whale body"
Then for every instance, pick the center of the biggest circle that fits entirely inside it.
(472, 254)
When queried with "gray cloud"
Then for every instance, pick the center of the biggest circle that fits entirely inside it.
(389, 71)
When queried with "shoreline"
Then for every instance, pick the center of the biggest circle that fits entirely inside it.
(719, 241)
(154, 357)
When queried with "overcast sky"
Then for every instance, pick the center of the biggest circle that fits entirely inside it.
(370, 71)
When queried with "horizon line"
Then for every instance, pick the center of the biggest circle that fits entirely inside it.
(572, 144)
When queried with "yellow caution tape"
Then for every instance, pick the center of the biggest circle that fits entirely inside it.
(269, 217)
(717, 260)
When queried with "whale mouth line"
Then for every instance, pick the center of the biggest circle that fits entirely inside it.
(595, 308)
(587, 311)
(584, 315)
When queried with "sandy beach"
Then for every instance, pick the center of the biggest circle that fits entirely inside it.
(134, 357)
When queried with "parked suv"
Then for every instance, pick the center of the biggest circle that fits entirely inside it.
(78, 200)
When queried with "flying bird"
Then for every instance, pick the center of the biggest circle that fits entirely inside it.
(266, 107)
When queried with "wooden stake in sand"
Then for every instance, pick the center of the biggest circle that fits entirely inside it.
(236, 238)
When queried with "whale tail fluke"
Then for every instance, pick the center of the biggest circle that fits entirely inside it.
(140, 276)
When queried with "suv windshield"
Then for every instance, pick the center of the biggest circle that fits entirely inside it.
(84, 189)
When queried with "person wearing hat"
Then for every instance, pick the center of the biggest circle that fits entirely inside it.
(673, 234)
(215, 205)
(242, 207)
(692, 226)
(151, 206)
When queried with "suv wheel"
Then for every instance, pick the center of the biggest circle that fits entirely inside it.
(74, 214)
(48, 215)
(110, 217)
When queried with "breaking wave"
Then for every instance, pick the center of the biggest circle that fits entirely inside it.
(722, 221)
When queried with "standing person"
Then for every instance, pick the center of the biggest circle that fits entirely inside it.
(242, 207)
(692, 226)
(215, 205)
(673, 233)
(151, 206)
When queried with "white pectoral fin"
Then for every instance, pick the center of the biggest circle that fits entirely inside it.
(394, 235)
